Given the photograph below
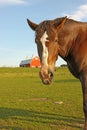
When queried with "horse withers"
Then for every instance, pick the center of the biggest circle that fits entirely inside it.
(68, 39)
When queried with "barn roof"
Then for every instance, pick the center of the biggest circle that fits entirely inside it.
(23, 62)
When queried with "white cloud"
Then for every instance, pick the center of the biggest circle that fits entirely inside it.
(11, 2)
(80, 13)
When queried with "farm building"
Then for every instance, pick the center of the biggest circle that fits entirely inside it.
(33, 62)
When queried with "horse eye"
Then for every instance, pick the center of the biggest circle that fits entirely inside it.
(56, 41)
(47, 38)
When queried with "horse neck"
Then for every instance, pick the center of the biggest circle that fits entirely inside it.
(66, 41)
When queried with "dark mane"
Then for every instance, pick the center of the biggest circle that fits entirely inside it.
(58, 20)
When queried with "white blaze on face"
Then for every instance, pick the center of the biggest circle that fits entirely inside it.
(45, 49)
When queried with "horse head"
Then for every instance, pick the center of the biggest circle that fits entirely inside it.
(46, 38)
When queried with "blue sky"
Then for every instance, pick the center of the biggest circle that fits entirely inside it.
(16, 38)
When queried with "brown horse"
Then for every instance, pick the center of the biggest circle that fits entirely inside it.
(68, 39)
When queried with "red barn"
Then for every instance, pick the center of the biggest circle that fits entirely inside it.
(33, 62)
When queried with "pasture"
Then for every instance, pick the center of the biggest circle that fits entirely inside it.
(27, 104)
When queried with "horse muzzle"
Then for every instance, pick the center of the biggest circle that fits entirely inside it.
(46, 77)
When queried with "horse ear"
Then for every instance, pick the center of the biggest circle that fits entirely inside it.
(59, 23)
(32, 25)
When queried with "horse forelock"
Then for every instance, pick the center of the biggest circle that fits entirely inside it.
(42, 27)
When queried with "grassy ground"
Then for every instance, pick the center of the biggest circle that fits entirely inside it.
(27, 104)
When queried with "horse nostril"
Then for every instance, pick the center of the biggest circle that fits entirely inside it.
(50, 73)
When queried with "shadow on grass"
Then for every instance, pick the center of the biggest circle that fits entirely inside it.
(67, 80)
(9, 127)
(40, 117)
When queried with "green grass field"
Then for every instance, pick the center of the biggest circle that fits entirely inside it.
(27, 104)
